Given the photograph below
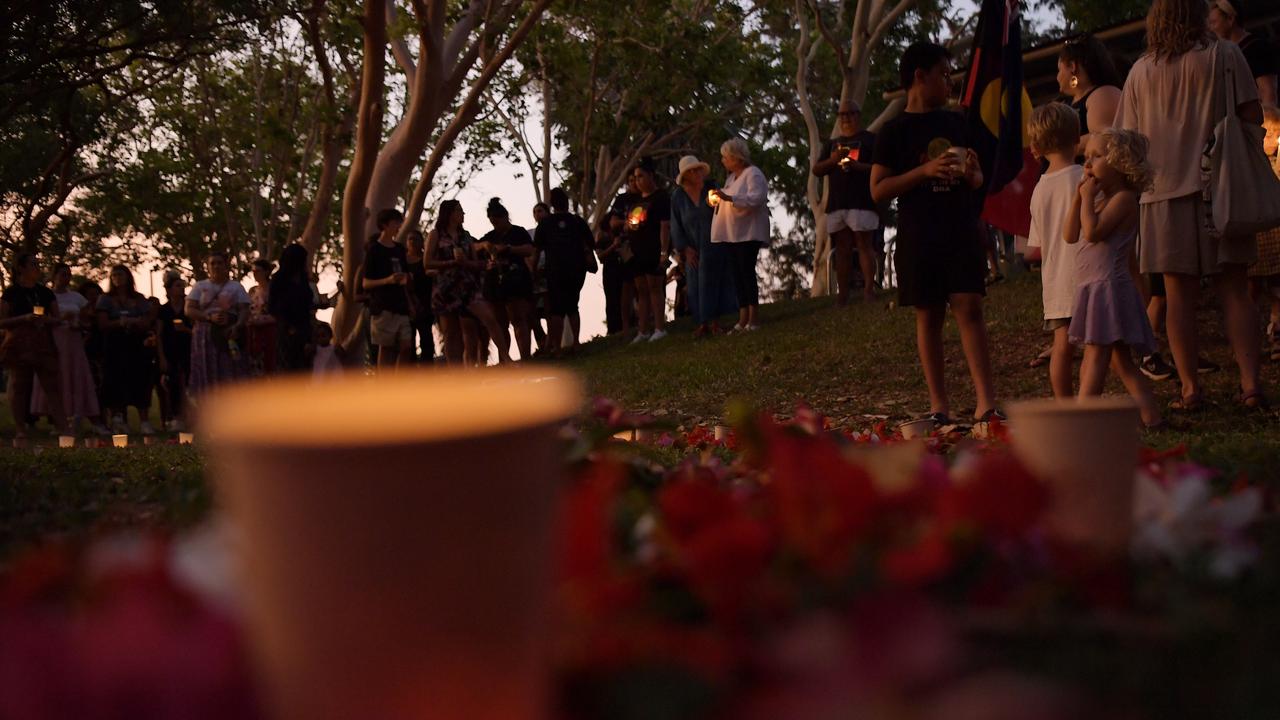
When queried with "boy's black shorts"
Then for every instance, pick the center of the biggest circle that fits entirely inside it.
(929, 275)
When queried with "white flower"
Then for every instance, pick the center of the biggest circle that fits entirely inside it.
(1176, 518)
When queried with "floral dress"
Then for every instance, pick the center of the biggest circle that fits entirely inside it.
(456, 287)
(215, 356)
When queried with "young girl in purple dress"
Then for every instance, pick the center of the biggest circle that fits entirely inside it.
(1108, 315)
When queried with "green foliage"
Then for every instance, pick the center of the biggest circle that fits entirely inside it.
(1093, 15)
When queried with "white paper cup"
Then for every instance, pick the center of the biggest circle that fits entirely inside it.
(91, 442)
(120, 441)
(722, 432)
(186, 438)
(917, 428)
(1086, 451)
(66, 441)
(396, 538)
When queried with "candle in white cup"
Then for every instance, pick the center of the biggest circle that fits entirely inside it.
(66, 441)
(120, 441)
(38, 311)
(379, 584)
(186, 438)
(721, 432)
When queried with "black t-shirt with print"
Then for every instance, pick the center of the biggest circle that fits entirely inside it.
(566, 239)
(24, 300)
(1261, 55)
(644, 219)
(851, 189)
(382, 261)
(935, 213)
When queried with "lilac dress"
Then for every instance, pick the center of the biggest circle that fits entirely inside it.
(1108, 308)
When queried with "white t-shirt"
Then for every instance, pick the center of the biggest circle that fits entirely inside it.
(1050, 203)
(70, 302)
(208, 294)
(746, 219)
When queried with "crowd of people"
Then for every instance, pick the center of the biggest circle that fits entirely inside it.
(1121, 226)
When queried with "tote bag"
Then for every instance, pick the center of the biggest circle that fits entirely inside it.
(1243, 190)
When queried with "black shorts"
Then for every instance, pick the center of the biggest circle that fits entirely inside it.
(507, 284)
(563, 292)
(931, 275)
(646, 260)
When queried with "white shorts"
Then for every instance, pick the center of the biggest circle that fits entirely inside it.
(855, 220)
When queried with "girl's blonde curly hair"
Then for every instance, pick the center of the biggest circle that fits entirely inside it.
(1126, 152)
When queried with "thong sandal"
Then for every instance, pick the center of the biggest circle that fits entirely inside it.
(1042, 359)
(1189, 404)
(1254, 400)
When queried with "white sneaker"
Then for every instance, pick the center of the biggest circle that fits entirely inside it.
(736, 329)
(145, 428)
(657, 335)
(639, 338)
(753, 327)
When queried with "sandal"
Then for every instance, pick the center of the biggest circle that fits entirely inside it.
(1254, 400)
(1042, 359)
(1189, 404)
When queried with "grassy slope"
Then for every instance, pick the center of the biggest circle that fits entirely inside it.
(861, 361)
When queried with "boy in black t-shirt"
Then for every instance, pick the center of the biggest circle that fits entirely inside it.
(386, 279)
(852, 217)
(924, 160)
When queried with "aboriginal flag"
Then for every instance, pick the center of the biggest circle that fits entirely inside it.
(998, 108)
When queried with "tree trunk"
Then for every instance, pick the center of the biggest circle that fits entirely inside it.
(355, 211)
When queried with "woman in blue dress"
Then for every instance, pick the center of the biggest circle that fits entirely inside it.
(706, 266)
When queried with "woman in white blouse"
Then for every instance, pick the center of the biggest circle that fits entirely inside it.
(742, 222)
(220, 308)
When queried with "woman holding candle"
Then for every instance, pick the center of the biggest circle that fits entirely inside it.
(741, 223)
(262, 324)
(126, 318)
(289, 302)
(852, 217)
(1174, 239)
(455, 297)
(174, 329)
(648, 234)
(28, 312)
(79, 395)
(705, 264)
(220, 308)
(508, 281)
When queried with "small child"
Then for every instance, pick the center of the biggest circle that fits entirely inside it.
(1108, 315)
(328, 359)
(925, 160)
(1054, 131)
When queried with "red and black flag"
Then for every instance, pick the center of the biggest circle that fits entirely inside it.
(998, 108)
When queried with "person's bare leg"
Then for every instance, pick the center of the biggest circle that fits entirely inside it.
(518, 311)
(555, 330)
(753, 314)
(386, 357)
(1136, 384)
(1060, 360)
(484, 312)
(867, 261)
(451, 329)
(967, 308)
(929, 322)
(643, 298)
(842, 246)
(575, 325)
(1182, 292)
(471, 339)
(1240, 318)
(1156, 313)
(1093, 369)
(658, 301)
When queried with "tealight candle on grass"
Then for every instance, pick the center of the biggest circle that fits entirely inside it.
(186, 438)
(397, 563)
(38, 311)
(66, 441)
(120, 441)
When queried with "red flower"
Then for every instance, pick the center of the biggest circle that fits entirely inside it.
(825, 504)
(926, 560)
(997, 494)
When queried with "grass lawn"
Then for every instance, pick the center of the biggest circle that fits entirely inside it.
(852, 365)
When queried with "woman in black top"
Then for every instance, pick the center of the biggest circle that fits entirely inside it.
(289, 301)
(28, 312)
(1087, 75)
(126, 319)
(420, 287)
(1226, 20)
(173, 327)
(508, 282)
